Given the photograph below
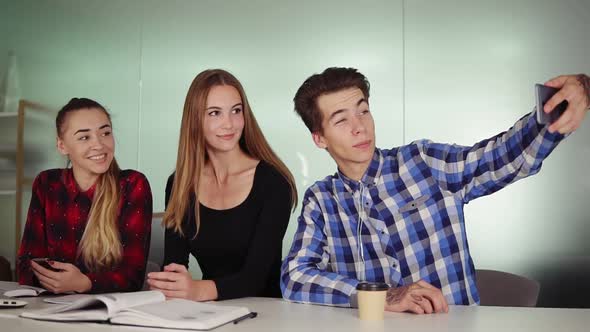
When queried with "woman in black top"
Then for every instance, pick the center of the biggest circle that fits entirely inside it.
(228, 202)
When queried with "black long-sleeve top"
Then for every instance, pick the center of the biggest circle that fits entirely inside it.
(240, 248)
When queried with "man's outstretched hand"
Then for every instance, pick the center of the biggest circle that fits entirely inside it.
(576, 90)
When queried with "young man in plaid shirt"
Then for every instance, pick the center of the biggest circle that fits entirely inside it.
(396, 215)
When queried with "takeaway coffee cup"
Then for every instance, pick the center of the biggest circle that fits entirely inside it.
(371, 300)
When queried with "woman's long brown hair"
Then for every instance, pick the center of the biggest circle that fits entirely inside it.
(100, 247)
(192, 153)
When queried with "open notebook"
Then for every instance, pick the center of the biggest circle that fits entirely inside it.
(148, 308)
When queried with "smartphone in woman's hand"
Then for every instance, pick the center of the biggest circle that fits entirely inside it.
(45, 263)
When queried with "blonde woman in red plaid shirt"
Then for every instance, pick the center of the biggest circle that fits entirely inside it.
(92, 221)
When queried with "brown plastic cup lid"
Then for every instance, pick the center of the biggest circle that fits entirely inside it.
(372, 286)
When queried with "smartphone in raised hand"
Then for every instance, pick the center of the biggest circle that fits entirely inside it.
(543, 94)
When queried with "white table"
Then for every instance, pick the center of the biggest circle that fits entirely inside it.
(279, 315)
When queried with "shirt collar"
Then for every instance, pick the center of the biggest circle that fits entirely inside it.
(370, 177)
(72, 187)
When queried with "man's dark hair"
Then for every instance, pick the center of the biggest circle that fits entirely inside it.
(333, 79)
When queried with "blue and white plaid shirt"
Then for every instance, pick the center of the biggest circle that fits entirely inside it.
(407, 213)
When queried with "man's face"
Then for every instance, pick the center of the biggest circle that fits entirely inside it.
(348, 127)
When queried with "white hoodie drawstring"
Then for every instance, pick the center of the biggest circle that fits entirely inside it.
(360, 253)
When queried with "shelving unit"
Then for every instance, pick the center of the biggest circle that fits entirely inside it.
(8, 151)
(14, 157)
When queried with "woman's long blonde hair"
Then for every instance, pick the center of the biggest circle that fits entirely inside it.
(192, 153)
(100, 247)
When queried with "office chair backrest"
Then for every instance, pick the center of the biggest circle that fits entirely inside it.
(497, 288)
(150, 267)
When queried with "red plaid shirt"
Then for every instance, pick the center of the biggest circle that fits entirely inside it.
(57, 218)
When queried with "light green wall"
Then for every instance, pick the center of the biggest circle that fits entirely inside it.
(452, 71)
(470, 70)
